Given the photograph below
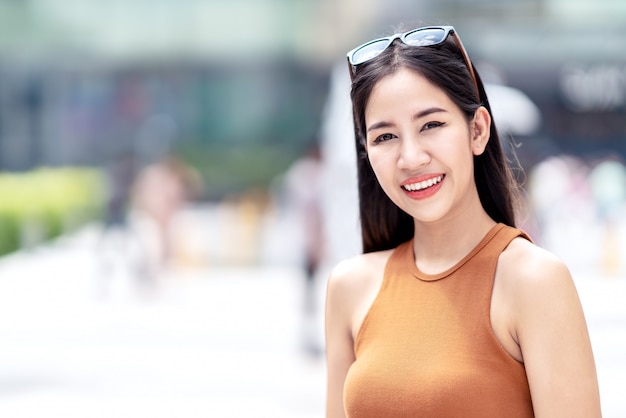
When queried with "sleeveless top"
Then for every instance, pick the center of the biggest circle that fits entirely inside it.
(426, 347)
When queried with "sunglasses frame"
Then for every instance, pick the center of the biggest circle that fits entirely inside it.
(448, 30)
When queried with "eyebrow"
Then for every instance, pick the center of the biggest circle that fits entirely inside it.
(418, 115)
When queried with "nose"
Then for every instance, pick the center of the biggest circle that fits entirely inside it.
(413, 155)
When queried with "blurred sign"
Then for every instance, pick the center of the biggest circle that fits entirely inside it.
(594, 87)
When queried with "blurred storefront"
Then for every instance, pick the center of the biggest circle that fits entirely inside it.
(239, 87)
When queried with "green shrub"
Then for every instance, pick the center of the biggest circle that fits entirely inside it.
(42, 204)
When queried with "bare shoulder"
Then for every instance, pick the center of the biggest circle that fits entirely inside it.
(537, 287)
(355, 272)
(524, 265)
(359, 264)
(353, 285)
(546, 320)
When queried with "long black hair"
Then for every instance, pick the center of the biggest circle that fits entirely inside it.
(383, 224)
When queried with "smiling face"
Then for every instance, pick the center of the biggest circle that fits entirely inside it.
(421, 147)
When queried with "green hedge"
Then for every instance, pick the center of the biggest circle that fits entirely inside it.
(42, 204)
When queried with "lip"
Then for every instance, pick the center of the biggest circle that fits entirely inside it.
(426, 192)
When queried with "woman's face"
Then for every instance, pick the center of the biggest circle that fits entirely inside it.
(421, 146)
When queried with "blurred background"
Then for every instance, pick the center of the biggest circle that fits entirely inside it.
(177, 179)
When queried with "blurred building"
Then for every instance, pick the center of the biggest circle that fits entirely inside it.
(239, 86)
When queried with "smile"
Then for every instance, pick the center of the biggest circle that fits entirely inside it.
(414, 187)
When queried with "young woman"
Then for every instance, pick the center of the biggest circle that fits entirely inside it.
(451, 311)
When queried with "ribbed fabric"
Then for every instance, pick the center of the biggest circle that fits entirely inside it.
(426, 347)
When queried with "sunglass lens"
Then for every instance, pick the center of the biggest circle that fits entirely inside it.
(368, 51)
(425, 37)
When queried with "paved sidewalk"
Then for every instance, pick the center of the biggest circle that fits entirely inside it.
(217, 342)
(604, 301)
(210, 342)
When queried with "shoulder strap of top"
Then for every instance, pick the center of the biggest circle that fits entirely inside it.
(506, 234)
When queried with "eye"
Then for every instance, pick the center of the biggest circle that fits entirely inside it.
(383, 138)
(432, 125)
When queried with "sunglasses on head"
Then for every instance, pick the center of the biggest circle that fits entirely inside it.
(427, 36)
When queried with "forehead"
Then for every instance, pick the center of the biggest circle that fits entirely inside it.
(405, 88)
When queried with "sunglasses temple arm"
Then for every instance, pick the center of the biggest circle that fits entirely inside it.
(350, 70)
(468, 62)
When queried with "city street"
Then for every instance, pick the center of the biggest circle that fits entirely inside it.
(174, 193)
(210, 341)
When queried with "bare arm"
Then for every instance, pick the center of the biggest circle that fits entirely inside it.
(352, 287)
(553, 337)
(339, 345)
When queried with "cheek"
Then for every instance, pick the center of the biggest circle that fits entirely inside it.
(383, 167)
(378, 163)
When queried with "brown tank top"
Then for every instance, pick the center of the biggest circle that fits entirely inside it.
(426, 347)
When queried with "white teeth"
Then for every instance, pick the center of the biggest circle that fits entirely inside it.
(413, 187)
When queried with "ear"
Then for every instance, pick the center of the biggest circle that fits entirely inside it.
(480, 129)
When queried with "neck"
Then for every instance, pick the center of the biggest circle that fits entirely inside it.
(440, 245)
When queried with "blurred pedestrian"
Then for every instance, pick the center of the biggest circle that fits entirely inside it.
(608, 187)
(451, 310)
(120, 176)
(116, 244)
(303, 183)
(160, 192)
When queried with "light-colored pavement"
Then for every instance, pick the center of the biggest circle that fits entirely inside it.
(604, 301)
(209, 342)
